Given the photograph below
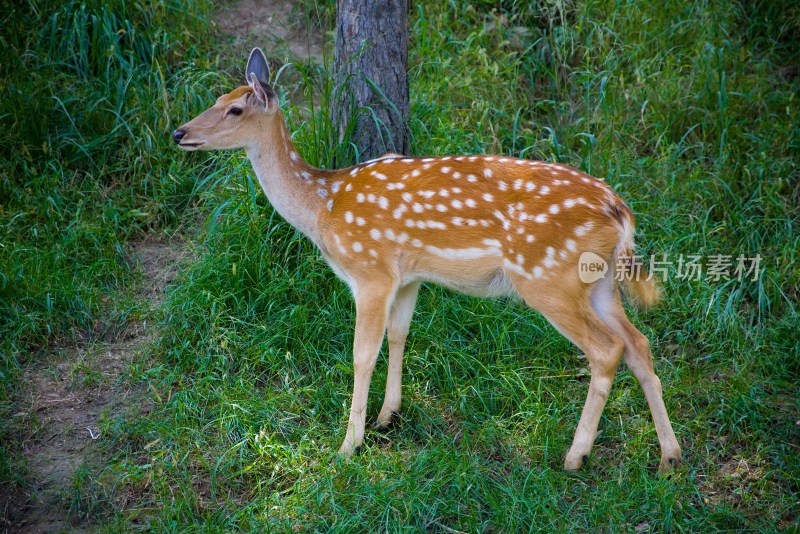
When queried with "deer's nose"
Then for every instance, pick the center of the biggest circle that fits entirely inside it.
(177, 135)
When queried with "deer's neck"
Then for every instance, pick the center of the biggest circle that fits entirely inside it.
(295, 189)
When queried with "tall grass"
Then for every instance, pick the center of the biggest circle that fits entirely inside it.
(85, 166)
(687, 109)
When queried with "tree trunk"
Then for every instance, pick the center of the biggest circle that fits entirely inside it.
(370, 103)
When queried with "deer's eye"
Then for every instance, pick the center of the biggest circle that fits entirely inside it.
(235, 111)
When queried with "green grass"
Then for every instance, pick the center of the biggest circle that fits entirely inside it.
(689, 110)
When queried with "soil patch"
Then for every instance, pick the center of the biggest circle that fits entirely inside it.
(65, 398)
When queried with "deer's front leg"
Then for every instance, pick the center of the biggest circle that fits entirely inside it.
(399, 320)
(372, 305)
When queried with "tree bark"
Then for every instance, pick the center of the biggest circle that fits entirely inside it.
(370, 104)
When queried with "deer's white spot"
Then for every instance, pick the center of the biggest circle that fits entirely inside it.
(457, 204)
(530, 186)
(517, 184)
(570, 244)
(491, 243)
(570, 202)
(330, 205)
(402, 237)
(322, 192)
(441, 207)
(444, 193)
(383, 202)
(554, 209)
(339, 244)
(502, 186)
(357, 247)
(541, 218)
(516, 268)
(375, 234)
(445, 170)
(348, 216)
(360, 197)
(458, 221)
(378, 175)
(426, 194)
(360, 221)
(417, 207)
(488, 197)
(398, 212)
(408, 197)
(537, 272)
(487, 172)
(471, 253)
(544, 190)
(582, 229)
(470, 203)
(373, 253)
(529, 238)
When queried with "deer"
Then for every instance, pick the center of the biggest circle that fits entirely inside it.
(484, 225)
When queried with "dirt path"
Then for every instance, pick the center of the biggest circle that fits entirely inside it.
(59, 416)
(66, 397)
(279, 27)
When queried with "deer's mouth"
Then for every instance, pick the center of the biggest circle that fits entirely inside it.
(189, 145)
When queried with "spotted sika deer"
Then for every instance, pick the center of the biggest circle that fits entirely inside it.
(482, 225)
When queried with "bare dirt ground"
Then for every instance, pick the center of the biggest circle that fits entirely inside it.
(67, 395)
(279, 27)
(58, 418)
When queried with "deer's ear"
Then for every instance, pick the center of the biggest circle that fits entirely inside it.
(257, 65)
(265, 94)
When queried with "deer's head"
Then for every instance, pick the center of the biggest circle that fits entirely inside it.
(237, 119)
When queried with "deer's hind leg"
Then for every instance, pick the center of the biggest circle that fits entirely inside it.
(606, 302)
(571, 313)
